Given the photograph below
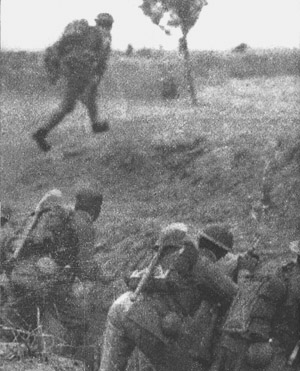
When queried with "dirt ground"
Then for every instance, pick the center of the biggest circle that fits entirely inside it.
(166, 161)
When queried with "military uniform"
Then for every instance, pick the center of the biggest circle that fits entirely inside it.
(80, 56)
(264, 337)
(158, 320)
(57, 250)
(218, 239)
(5, 214)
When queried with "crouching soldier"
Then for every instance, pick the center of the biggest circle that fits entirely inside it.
(218, 239)
(156, 317)
(262, 329)
(42, 263)
(206, 327)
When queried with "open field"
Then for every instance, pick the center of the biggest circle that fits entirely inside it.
(138, 77)
(164, 161)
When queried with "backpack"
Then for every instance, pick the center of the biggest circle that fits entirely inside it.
(53, 236)
(76, 27)
(79, 53)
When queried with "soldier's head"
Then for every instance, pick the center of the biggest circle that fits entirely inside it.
(90, 201)
(179, 249)
(6, 213)
(216, 238)
(104, 20)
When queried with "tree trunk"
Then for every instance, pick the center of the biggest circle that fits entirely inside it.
(183, 47)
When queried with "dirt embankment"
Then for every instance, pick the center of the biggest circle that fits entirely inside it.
(233, 159)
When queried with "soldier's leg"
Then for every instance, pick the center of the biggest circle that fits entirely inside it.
(123, 334)
(117, 349)
(72, 93)
(90, 101)
(73, 318)
(163, 356)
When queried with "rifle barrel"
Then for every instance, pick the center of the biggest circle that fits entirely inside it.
(147, 274)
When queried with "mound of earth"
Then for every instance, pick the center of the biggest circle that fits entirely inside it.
(233, 159)
(13, 357)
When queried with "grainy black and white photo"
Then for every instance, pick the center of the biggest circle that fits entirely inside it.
(150, 185)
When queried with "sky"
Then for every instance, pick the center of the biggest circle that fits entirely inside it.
(222, 25)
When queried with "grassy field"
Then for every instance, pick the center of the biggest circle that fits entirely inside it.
(165, 161)
(139, 77)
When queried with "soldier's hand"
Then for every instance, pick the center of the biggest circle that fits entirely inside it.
(248, 261)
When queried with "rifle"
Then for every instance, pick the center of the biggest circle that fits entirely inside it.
(21, 242)
(147, 274)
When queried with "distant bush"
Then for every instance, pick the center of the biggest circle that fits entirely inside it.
(254, 63)
(169, 88)
(149, 53)
(241, 48)
(129, 50)
(145, 53)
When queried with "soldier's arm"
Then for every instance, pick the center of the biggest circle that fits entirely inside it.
(229, 265)
(239, 266)
(211, 277)
(85, 264)
(52, 64)
(102, 47)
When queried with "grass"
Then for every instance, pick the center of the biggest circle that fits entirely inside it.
(165, 161)
(158, 157)
(138, 77)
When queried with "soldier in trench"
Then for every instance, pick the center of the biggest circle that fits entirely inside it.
(156, 319)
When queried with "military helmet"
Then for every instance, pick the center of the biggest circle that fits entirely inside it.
(104, 19)
(219, 235)
(175, 234)
(185, 254)
(89, 200)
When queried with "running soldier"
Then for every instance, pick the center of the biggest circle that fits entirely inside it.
(80, 57)
(262, 329)
(157, 316)
(56, 249)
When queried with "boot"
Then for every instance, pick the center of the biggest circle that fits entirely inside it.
(100, 127)
(40, 137)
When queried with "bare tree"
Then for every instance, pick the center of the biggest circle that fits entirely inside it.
(182, 14)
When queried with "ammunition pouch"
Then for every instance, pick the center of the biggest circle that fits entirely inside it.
(259, 354)
(270, 295)
(254, 307)
(239, 314)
